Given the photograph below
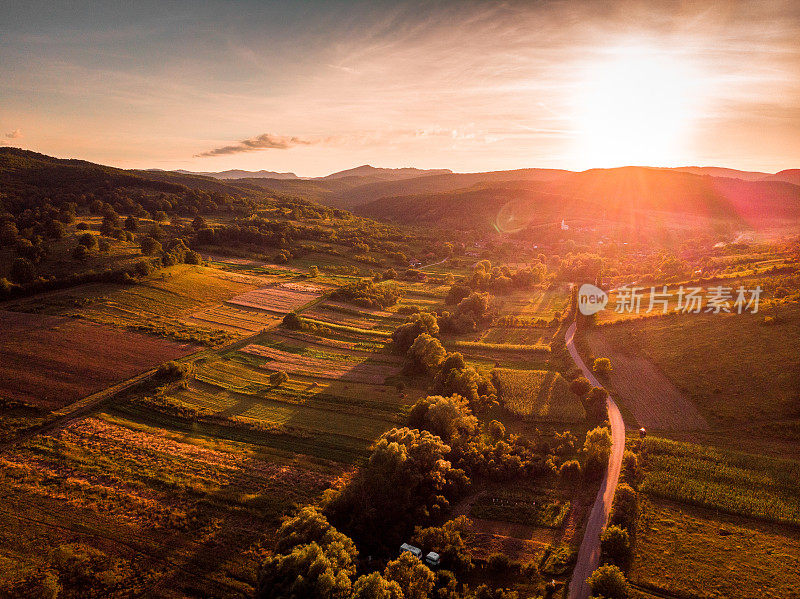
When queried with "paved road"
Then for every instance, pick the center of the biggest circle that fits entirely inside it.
(589, 553)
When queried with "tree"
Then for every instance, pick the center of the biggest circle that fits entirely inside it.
(425, 354)
(414, 578)
(131, 224)
(449, 541)
(308, 571)
(615, 546)
(375, 586)
(160, 216)
(192, 257)
(580, 386)
(277, 379)
(150, 246)
(625, 508)
(87, 240)
(602, 367)
(595, 404)
(597, 448)
(309, 525)
(448, 417)
(8, 234)
(609, 582)
(199, 223)
(22, 270)
(570, 471)
(104, 246)
(421, 322)
(313, 271)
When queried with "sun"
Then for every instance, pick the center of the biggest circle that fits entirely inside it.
(634, 107)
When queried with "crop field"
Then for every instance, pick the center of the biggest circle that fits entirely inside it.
(341, 314)
(279, 298)
(645, 391)
(539, 303)
(537, 394)
(732, 482)
(518, 335)
(233, 319)
(179, 303)
(171, 513)
(49, 361)
(754, 377)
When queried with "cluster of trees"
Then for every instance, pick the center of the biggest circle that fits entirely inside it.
(503, 279)
(314, 559)
(368, 294)
(581, 267)
(593, 398)
(471, 313)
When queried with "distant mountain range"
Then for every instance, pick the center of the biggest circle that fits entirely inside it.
(359, 171)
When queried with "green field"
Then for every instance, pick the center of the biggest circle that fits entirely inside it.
(755, 365)
(538, 394)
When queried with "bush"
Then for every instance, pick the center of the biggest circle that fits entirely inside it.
(570, 471)
(609, 582)
(602, 367)
(498, 563)
(292, 321)
(22, 270)
(404, 335)
(496, 430)
(81, 252)
(172, 370)
(277, 379)
(595, 405)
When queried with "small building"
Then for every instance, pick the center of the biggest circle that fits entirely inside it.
(433, 559)
(415, 551)
(642, 433)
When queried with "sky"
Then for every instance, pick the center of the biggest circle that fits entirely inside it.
(316, 87)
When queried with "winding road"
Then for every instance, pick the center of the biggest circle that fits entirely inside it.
(589, 553)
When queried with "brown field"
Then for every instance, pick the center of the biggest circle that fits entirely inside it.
(180, 516)
(340, 368)
(50, 361)
(233, 318)
(649, 395)
(281, 298)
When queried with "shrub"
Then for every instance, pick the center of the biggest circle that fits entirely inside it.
(192, 257)
(496, 430)
(570, 471)
(602, 367)
(498, 563)
(404, 335)
(103, 245)
(150, 246)
(277, 379)
(172, 370)
(609, 582)
(414, 578)
(82, 226)
(292, 321)
(22, 270)
(313, 272)
(595, 405)
(630, 468)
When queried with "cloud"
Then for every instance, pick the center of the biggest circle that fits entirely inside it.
(15, 134)
(265, 141)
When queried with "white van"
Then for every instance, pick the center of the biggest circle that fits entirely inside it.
(415, 551)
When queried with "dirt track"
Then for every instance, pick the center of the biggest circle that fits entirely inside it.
(589, 553)
(650, 396)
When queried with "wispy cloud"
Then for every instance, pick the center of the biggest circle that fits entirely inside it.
(265, 141)
(15, 134)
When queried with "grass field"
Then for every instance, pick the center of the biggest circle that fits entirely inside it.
(537, 394)
(756, 367)
(717, 523)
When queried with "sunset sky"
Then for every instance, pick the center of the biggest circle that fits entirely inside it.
(315, 87)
